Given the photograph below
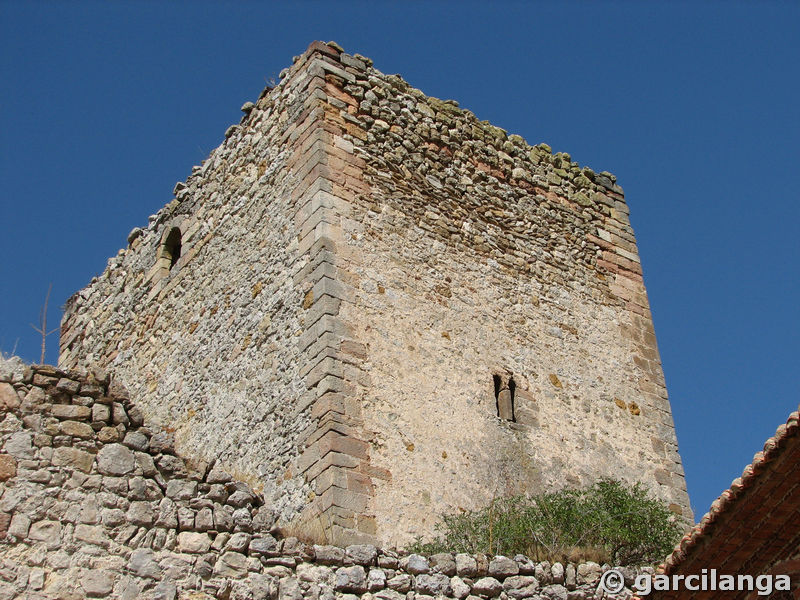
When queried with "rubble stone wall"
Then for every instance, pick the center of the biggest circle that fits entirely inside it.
(385, 309)
(465, 255)
(95, 503)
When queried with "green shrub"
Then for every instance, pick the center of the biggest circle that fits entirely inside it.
(608, 521)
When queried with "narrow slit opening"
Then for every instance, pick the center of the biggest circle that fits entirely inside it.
(172, 246)
(497, 385)
(512, 386)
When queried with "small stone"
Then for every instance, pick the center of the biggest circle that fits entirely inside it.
(46, 531)
(466, 566)
(136, 416)
(557, 571)
(135, 233)
(20, 524)
(401, 582)
(141, 513)
(362, 554)
(92, 534)
(289, 589)
(118, 415)
(351, 579)
(204, 519)
(181, 489)
(589, 572)
(555, 592)
(8, 396)
(239, 542)
(100, 413)
(163, 442)
(264, 544)
(387, 594)
(487, 586)
(71, 411)
(242, 520)
(36, 578)
(443, 563)
(570, 580)
(544, 573)
(525, 564)
(459, 588)
(108, 435)
(501, 566)
(167, 514)
(231, 564)
(415, 564)
(247, 107)
(115, 459)
(240, 498)
(137, 441)
(77, 429)
(217, 475)
(520, 586)
(329, 555)
(376, 580)
(97, 583)
(142, 564)
(193, 543)
(20, 445)
(8, 467)
(435, 584)
(68, 385)
(165, 590)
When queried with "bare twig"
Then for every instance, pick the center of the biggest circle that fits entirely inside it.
(42, 329)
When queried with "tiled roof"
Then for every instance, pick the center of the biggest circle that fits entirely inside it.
(756, 522)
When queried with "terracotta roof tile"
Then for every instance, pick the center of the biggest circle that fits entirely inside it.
(730, 498)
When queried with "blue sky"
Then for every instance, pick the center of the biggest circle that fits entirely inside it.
(694, 106)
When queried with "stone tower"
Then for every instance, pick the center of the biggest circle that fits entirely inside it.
(378, 309)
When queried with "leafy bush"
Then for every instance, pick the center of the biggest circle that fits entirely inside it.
(608, 521)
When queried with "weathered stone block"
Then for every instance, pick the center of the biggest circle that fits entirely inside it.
(193, 543)
(351, 579)
(71, 411)
(500, 566)
(435, 584)
(8, 467)
(115, 459)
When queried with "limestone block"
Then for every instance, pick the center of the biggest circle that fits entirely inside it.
(20, 445)
(488, 587)
(362, 554)
(142, 563)
(97, 583)
(415, 564)
(443, 563)
(434, 584)
(466, 565)
(351, 579)
(115, 459)
(231, 564)
(71, 411)
(193, 543)
(8, 467)
(500, 566)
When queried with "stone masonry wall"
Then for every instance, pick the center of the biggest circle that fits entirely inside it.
(390, 308)
(94, 503)
(208, 346)
(463, 254)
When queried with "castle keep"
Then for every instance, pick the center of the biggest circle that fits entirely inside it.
(375, 309)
